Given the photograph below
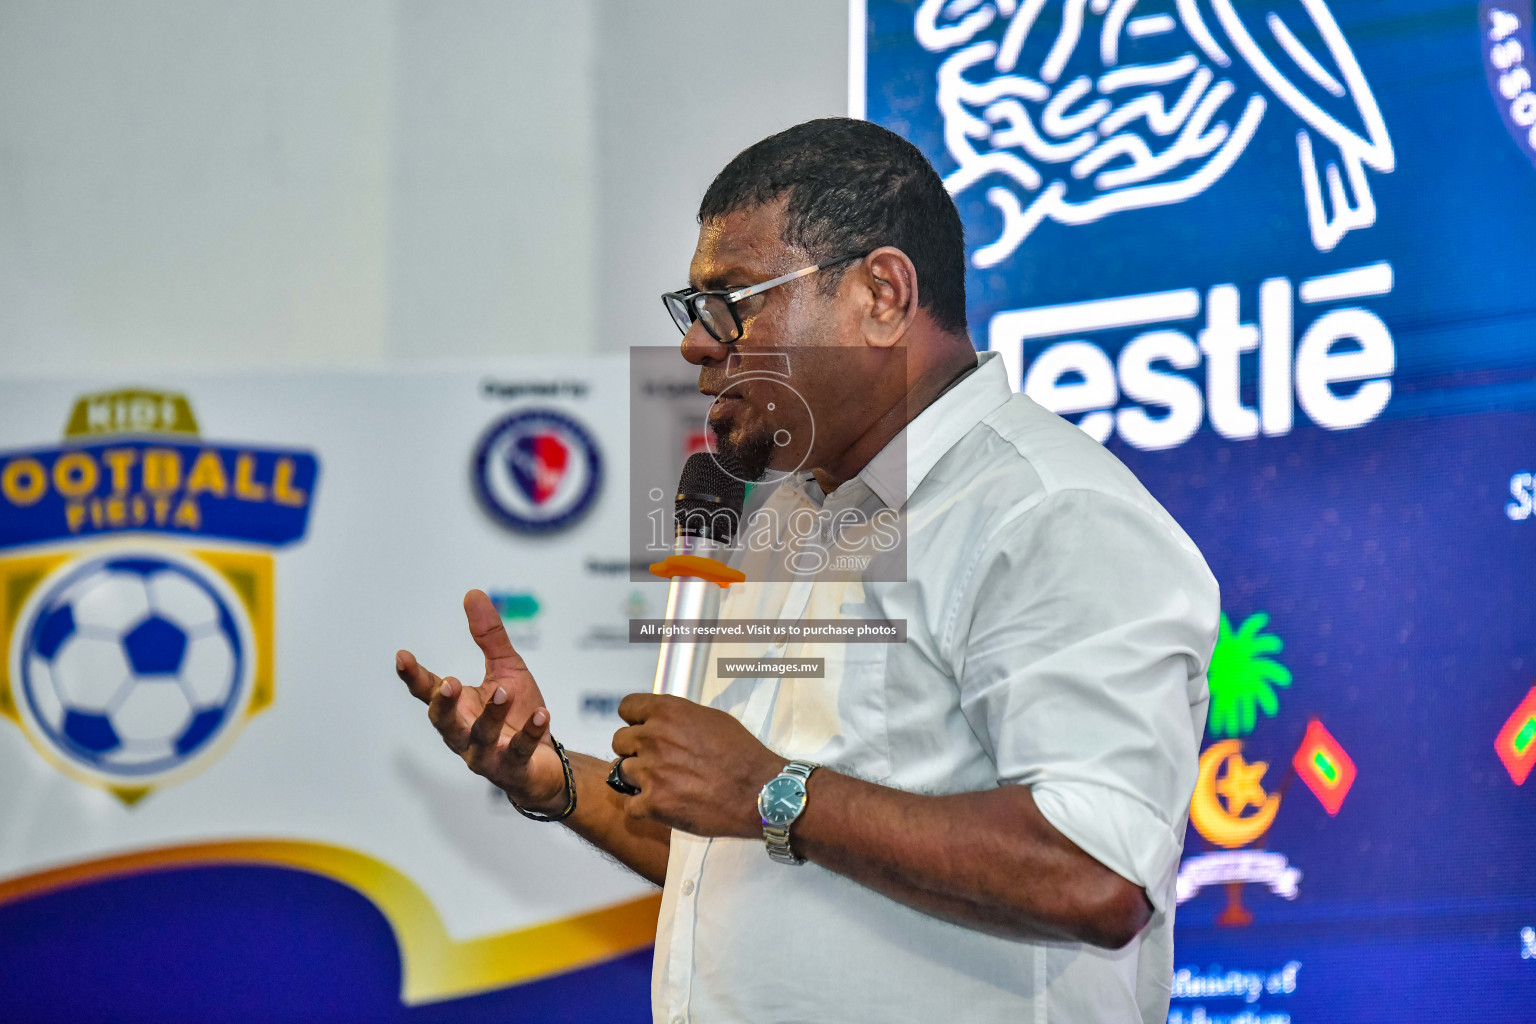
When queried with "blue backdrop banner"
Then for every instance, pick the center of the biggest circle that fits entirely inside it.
(1279, 257)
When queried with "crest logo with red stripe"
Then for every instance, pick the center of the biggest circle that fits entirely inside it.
(537, 470)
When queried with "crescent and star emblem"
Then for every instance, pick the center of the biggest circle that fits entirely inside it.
(1225, 789)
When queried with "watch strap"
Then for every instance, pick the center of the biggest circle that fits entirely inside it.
(776, 837)
(800, 769)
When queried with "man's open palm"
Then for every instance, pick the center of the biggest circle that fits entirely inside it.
(501, 727)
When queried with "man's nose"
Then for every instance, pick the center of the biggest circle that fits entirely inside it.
(699, 345)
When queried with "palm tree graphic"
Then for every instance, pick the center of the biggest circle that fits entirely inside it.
(1242, 678)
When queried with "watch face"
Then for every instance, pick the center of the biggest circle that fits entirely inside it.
(781, 800)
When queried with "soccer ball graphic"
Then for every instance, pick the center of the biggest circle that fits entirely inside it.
(133, 664)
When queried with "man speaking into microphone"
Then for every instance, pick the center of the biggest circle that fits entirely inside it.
(982, 823)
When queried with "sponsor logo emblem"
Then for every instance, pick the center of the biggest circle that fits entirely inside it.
(1070, 111)
(1227, 787)
(614, 633)
(519, 611)
(136, 643)
(1510, 64)
(537, 471)
(1161, 119)
(1323, 766)
(1516, 742)
(1231, 808)
(601, 705)
(1345, 346)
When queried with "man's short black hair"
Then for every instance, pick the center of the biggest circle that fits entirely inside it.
(853, 186)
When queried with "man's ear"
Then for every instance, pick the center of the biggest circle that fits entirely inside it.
(890, 283)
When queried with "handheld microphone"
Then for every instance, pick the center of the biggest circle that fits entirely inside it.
(706, 515)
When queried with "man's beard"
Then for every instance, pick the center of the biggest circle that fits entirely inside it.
(750, 455)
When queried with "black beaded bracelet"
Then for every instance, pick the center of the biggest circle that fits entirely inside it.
(570, 790)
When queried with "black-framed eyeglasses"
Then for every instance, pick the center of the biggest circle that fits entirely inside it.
(717, 307)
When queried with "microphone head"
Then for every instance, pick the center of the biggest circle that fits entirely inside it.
(710, 495)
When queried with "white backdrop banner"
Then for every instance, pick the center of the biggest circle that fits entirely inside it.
(203, 581)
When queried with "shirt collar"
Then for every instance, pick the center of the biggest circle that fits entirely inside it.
(902, 464)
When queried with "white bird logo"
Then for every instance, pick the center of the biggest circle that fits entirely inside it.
(1150, 132)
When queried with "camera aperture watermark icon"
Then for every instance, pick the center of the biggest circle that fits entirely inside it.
(764, 415)
(770, 374)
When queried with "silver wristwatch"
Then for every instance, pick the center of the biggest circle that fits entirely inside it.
(781, 802)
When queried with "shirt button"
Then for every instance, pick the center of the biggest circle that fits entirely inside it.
(688, 889)
(677, 1020)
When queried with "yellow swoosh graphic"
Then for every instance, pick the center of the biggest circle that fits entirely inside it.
(434, 966)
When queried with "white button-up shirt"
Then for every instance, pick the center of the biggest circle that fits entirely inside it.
(1059, 628)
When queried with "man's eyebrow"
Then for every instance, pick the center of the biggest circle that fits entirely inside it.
(729, 276)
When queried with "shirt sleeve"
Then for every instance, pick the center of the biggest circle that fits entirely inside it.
(1081, 642)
